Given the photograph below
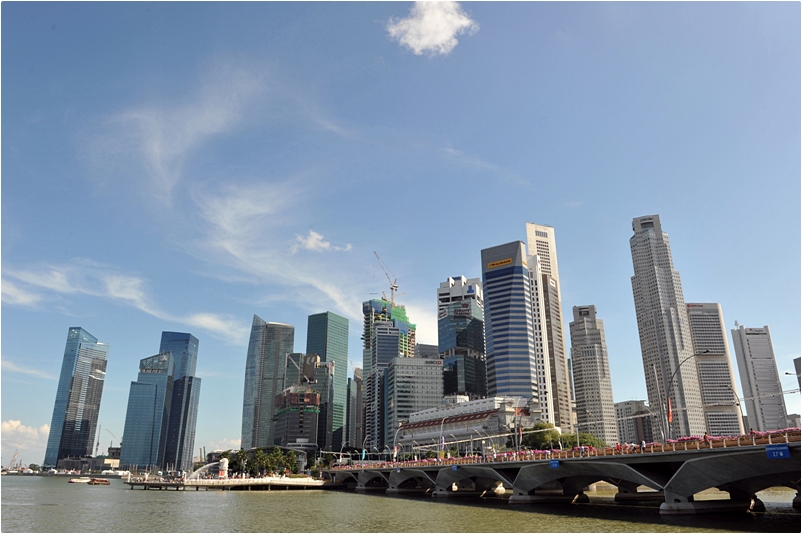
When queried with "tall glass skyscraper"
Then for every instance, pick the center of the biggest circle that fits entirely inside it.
(148, 414)
(80, 387)
(184, 405)
(461, 337)
(327, 336)
(512, 368)
(264, 378)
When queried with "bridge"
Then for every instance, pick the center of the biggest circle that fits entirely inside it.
(673, 474)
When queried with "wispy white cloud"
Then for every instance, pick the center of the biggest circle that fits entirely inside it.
(13, 294)
(29, 441)
(12, 367)
(314, 242)
(432, 27)
(87, 277)
(156, 140)
(246, 229)
(477, 164)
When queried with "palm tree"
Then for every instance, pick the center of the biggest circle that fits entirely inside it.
(259, 461)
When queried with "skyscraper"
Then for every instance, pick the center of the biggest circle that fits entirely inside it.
(80, 388)
(665, 334)
(264, 379)
(541, 321)
(387, 334)
(355, 439)
(713, 363)
(760, 380)
(542, 243)
(412, 385)
(595, 410)
(327, 336)
(148, 415)
(186, 396)
(461, 337)
(512, 367)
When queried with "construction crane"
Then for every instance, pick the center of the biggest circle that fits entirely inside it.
(115, 437)
(16, 453)
(393, 283)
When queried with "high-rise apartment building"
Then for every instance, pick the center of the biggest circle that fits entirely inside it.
(765, 405)
(722, 408)
(412, 384)
(665, 334)
(595, 410)
(80, 388)
(148, 415)
(186, 396)
(327, 336)
(264, 379)
(512, 366)
(461, 337)
(546, 289)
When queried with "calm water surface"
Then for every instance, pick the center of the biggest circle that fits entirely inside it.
(51, 504)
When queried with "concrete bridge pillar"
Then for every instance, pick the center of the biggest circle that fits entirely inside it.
(681, 504)
(628, 492)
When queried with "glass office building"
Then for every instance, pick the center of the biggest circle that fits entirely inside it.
(186, 396)
(327, 336)
(264, 379)
(80, 387)
(148, 414)
(509, 332)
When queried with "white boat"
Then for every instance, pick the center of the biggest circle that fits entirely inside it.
(82, 480)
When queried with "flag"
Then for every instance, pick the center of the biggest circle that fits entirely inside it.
(442, 443)
(363, 454)
(670, 414)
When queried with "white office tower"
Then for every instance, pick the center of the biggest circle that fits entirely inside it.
(626, 414)
(722, 408)
(541, 242)
(765, 406)
(665, 335)
(595, 410)
(542, 355)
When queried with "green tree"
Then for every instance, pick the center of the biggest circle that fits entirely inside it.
(258, 462)
(34, 467)
(291, 461)
(276, 460)
(546, 436)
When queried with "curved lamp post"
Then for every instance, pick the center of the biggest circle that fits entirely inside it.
(671, 382)
(517, 423)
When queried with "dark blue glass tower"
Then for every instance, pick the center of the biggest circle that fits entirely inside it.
(148, 414)
(184, 405)
(509, 328)
(80, 387)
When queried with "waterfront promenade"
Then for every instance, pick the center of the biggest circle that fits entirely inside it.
(673, 473)
(246, 484)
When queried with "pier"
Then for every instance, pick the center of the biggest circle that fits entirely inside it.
(227, 484)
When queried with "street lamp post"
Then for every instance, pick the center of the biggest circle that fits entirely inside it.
(441, 433)
(671, 382)
(516, 439)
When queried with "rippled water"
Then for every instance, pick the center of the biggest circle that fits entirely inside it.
(51, 504)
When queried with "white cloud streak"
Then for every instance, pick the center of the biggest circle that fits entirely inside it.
(12, 367)
(432, 27)
(86, 277)
(15, 295)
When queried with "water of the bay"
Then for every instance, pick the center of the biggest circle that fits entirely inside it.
(51, 504)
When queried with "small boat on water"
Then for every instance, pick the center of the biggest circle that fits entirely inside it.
(99, 482)
(82, 480)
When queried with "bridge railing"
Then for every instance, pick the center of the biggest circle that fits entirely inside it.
(787, 436)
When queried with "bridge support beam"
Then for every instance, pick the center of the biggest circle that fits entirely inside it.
(628, 492)
(548, 499)
(678, 505)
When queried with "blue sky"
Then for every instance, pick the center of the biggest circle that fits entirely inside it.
(184, 166)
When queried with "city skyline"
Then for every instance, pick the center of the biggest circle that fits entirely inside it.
(230, 165)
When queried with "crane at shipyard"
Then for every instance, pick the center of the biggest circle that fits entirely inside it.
(393, 283)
